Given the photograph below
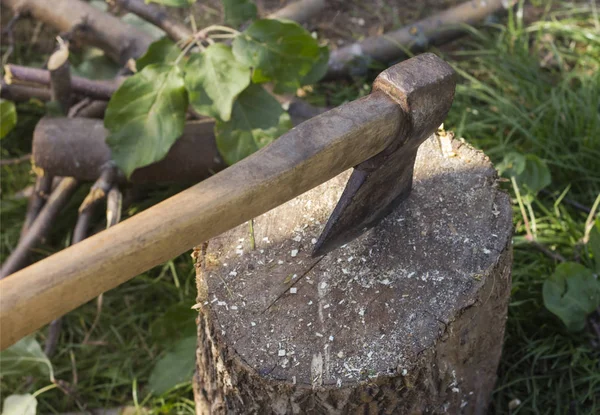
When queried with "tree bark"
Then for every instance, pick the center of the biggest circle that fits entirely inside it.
(119, 40)
(158, 17)
(408, 318)
(299, 11)
(435, 30)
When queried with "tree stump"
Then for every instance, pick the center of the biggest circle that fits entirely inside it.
(408, 318)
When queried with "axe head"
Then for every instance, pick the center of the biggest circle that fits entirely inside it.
(423, 87)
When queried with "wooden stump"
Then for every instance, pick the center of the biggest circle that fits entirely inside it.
(409, 318)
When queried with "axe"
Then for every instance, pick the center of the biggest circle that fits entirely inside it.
(378, 135)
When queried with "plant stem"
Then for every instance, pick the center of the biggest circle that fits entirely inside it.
(529, 236)
(44, 389)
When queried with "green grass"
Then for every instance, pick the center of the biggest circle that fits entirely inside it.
(536, 89)
(526, 88)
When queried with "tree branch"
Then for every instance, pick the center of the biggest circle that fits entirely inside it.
(299, 11)
(40, 227)
(60, 77)
(102, 90)
(22, 93)
(42, 189)
(88, 24)
(434, 30)
(158, 17)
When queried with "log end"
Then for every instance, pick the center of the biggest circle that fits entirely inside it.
(408, 317)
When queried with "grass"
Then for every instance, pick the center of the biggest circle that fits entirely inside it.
(527, 88)
(534, 89)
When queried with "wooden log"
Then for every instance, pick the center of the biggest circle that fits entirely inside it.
(408, 318)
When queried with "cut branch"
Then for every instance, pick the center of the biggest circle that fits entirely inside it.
(158, 17)
(22, 93)
(102, 90)
(88, 24)
(89, 109)
(40, 227)
(105, 182)
(434, 30)
(43, 187)
(299, 11)
(114, 206)
(60, 77)
(77, 145)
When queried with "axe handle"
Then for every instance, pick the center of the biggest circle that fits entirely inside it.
(305, 157)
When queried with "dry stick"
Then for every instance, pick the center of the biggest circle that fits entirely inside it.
(16, 160)
(8, 31)
(86, 211)
(114, 206)
(40, 227)
(158, 17)
(434, 30)
(60, 76)
(42, 189)
(22, 93)
(87, 108)
(102, 90)
(119, 40)
(299, 11)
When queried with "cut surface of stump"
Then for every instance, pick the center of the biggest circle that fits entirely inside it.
(408, 318)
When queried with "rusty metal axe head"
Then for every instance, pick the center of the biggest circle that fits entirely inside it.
(424, 88)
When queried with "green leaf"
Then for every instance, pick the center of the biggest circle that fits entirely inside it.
(319, 68)
(572, 293)
(238, 11)
(145, 116)
(175, 367)
(257, 119)
(96, 65)
(512, 165)
(214, 79)
(594, 244)
(536, 174)
(19, 405)
(25, 358)
(8, 117)
(161, 51)
(173, 3)
(530, 172)
(279, 51)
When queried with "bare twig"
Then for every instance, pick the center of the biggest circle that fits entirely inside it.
(22, 93)
(8, 31)
(105, 182)
(114, 206)
(568, 201)
(158, 17)
(43, 187)
(16, 160)
(40, 227)
(60, 76)
(300, 11)
(88, 24)
(434, 30)
(52, 339)
(87, 108)
(102, 90)
(547, 251)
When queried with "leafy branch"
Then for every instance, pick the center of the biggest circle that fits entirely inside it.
(219, 72)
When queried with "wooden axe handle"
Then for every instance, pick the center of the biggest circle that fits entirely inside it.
(305, 157)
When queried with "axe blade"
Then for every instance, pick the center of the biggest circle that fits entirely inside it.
(424, 88)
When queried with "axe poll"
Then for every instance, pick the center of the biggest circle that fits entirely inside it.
(378, 135)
